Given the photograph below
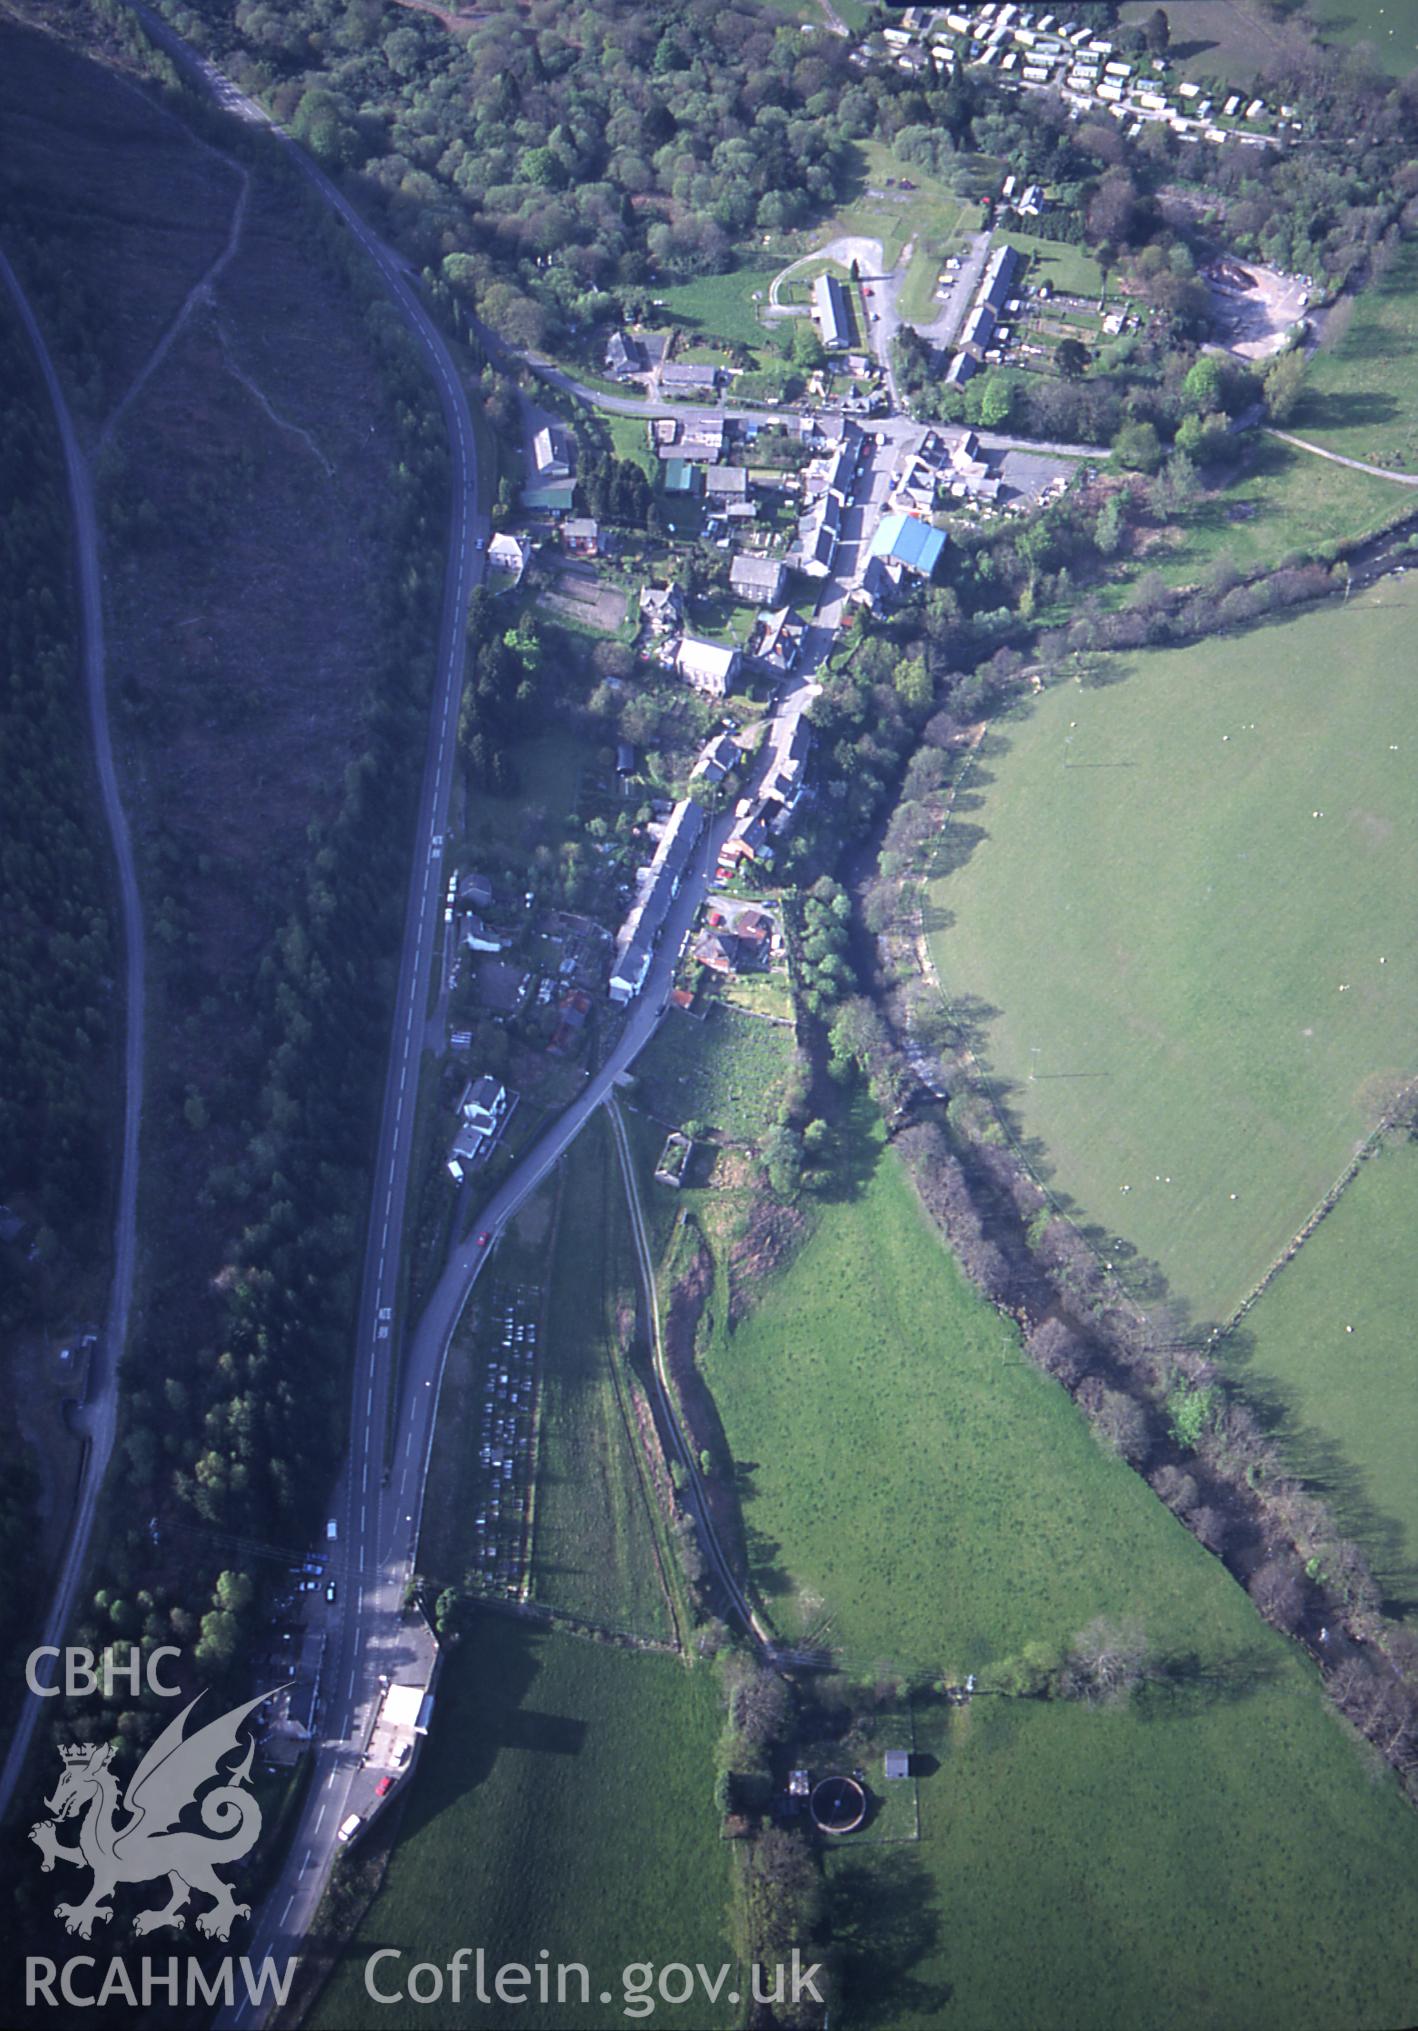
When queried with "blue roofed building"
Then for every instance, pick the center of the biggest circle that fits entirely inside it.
(906, 543)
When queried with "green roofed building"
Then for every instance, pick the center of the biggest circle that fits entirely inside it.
(556, 499)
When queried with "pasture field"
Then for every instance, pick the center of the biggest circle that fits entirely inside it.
(1229, 40)
(721, 306)
(1184, 1862)
(1387, 26)
(916, 1493)
(726, 1071)
(1068, 269)
(564, 1799)
(1175, 930)
(1282, 501)
(594, 1542)
(1349, 1399)
(1360, 396)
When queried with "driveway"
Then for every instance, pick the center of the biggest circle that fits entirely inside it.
(866, 254)
(945, 326)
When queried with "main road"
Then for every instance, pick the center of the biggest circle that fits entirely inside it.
(376, 1513)
(99, 1415)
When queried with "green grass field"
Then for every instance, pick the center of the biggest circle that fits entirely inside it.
(915, 1493)
(1284, 501)
(1387, 26)
(627, 435)
(564, 1800)
(721, 305)
(1218, 1853)
(1170, 967)
(725, 1071)
(1361, 393)
(917, 301)
(549, 774)
(1164, 1868)
(934, 214)
(1349, 1400)
(595, 1538)
(1069, 270)
(1229, 40)
(594, 1551)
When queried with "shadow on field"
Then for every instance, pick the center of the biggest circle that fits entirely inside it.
(1345, 409)
(854, 1162)
(771, 1580)
(483, 1701)
(1180, 1683)
(1182, 52)
(1319, 1461)
(885, 1921)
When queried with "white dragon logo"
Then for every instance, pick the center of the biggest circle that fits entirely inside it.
(152, 1843)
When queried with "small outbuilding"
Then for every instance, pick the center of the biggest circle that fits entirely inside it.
(897, 1764)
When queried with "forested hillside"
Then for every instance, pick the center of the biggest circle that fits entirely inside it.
(557, 163)
(56, 976)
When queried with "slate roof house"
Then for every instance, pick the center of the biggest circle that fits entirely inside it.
(757, 578)
(662, 607)
(831, 313)
(625, 356)
(710, 667)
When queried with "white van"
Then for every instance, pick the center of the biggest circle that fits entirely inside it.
(349, 1828)
(331, 1531)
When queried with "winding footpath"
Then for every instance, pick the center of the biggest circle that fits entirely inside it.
(99, 1415)
(1380, 472)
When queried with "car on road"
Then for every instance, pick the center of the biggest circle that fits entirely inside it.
(384, 1787)
(349, 1828)
(483, 1239)
(330, 1592)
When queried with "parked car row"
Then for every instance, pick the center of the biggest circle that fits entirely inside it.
(505, 1445)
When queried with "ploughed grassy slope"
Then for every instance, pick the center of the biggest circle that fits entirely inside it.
(563, 1801)
(1175, 931)
(915, 1494)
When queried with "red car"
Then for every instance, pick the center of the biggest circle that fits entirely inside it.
(384, 1787)
(483, 1240)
